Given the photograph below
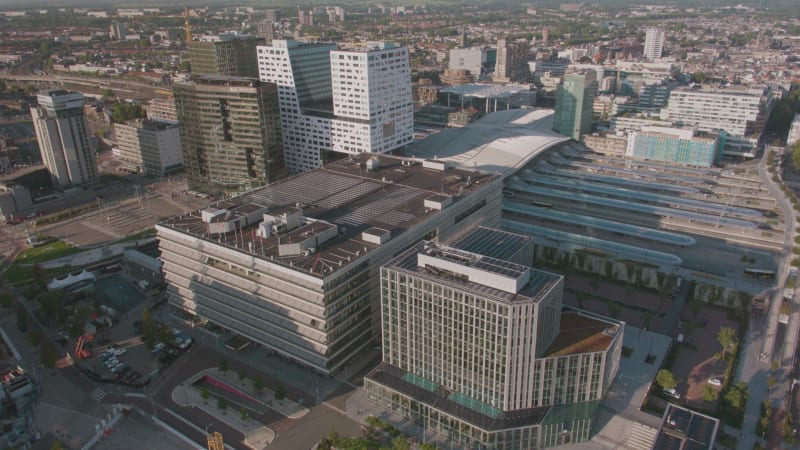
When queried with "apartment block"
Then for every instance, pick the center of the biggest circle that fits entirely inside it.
(742, 113)
(63, 136)
(149, 147)
(653, 43)
(344, 101)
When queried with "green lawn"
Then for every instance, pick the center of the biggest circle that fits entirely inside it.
(46, 252)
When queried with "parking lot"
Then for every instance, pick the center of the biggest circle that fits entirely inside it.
(695, 363)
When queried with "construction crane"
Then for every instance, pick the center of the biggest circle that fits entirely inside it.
(186, 24)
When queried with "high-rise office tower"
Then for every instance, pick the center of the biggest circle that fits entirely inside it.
(230, 133)
(574, 104)
(346, 101)
(653, 43)
(63, 136)
(118, 31)
(230, 54)
(480, 350)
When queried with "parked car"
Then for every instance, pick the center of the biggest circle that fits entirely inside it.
(120, 351)
(186, 343)
(672, 393)
(158, 347)
(715, 382)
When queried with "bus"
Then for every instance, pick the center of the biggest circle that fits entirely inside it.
(760, 273)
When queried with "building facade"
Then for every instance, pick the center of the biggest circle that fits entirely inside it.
(574, 103)
(675, 145)
(149, 147)
(295, 266)
(477, 60)
(794, 131)
(653, 43)
(163, 109)
(742, 113)
(230, 133)
(229, 54)
(345, 101)
(478, 349)
(512, 61)
(63, 136)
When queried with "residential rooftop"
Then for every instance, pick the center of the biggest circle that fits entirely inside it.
(322, 220)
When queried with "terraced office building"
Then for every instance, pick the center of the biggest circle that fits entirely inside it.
(295, 266)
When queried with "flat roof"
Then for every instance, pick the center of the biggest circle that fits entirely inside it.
(538, 285)
(487, 90)
(501, 142)
(492, 242)
(345, 194)
(581, 333)
(684, 429)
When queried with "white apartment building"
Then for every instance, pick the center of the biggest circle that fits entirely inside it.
(63, 136)
(794, 131)
(653, 43)
(150, 147)
(473, 59)
(741, 113)
(346, 101)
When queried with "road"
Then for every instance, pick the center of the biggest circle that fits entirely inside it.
(760, 340)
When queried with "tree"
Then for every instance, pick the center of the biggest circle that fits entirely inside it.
(108, 94)
(222, 404)
(223, 365)
(242, 374)
(400, 443)
(280, 392)
(149, 328)
(56, 446)
(243, 413)
(771, 382)
(22, 319)
(205, 394)
(258, 385)
(6, 300)
(38, 274)
(709, 394)
(726, 338)
(666, 379)
(79, 317)
(737, 395)
(48, 357)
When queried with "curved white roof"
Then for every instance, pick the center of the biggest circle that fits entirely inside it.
(69, 280)
(501, 142)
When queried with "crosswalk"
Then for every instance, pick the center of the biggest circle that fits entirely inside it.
(98, 394)
(642, 437)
